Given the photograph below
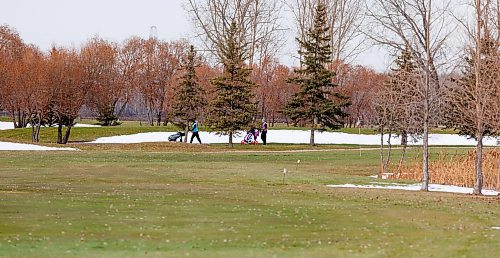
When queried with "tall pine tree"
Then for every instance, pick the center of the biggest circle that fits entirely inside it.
(312, 102)
(232, 109)
(188, 98)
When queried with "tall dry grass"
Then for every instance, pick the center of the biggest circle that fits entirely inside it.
(457, 169)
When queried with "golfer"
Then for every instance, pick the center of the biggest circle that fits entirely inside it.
(195, 132)
(263, 135)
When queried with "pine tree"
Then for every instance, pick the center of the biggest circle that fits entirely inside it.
(312, 103)
(232, 109)
(189, 97)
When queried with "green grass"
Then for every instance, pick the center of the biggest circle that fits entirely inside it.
(5, 119)
(127, 202)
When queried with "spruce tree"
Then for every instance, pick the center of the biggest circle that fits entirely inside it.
(232, 109)
(189, 96)
(313, 102)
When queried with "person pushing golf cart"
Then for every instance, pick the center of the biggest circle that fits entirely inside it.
(251, 137)
(195, 132)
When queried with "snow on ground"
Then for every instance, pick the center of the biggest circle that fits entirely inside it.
(10, 125)
(10, 146)
(416, 187)
(297, 137)
(6, 125)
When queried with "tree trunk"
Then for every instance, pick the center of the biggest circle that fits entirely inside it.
(158, 119)
(401, 160)
(32, 131)
(273, 118)
(381, 170)
(389, 148)
(478, 185)
(313, 128)
(186, 131)
(231, 139)
(66, 135)
(425, 156)
(404, 138)
(59, 134)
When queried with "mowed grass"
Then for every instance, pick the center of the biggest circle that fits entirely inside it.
(127, 202)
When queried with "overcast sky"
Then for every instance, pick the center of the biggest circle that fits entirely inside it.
(72, 22)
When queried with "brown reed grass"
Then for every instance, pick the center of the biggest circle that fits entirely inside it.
(457, 169)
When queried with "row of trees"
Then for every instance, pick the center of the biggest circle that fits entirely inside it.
(110, 78)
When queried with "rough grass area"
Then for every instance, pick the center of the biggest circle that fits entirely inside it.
(455, 169)
(123, 203)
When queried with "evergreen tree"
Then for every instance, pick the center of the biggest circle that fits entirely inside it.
(312, 103)
(232, 109)
(188, 99)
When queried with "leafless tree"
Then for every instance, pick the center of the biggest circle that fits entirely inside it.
(160, 65)
(397, 111)
(423, 27)
(67, 77)
(258, 22)
(100, 61)
(473, 101)
(12, 50)
(130, 57)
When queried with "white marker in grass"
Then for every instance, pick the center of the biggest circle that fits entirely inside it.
(284, 175)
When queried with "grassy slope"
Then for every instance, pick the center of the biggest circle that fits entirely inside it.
(132, 203)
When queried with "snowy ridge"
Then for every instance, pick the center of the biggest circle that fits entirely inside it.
(300, 137)
(10, 146)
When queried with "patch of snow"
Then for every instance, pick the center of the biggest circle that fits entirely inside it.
(6, 125)
(10, 146)
(299, 137)
(416, 187)
(86, 125)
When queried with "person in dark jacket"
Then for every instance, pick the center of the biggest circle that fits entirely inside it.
(263, 135)
(195, 132)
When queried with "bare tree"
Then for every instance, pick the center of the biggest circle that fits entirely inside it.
(258, 22)
(473, 102)
(69, 93)
(130, 57)
(36, 89)
(12, 50)
(160, 65)
(100, 61)
(423, 27)
(397, 112)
